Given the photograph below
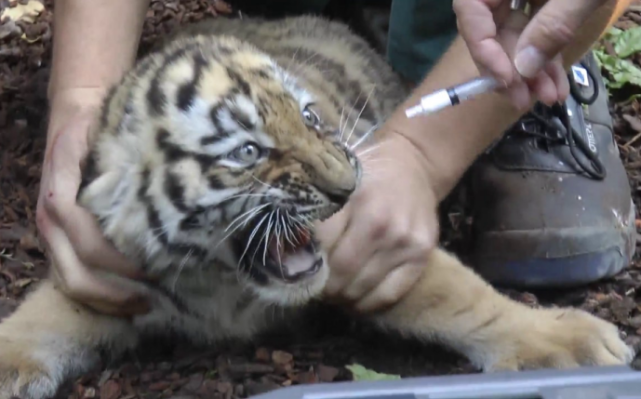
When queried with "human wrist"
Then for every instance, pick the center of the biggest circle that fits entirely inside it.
(71, 104)
(402, 149)
(89, 95)
(447, 144)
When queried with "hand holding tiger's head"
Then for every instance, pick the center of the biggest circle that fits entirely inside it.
(209, 154)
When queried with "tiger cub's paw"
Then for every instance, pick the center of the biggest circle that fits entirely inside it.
(21, 375)
(562, 338)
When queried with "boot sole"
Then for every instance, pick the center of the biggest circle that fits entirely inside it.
(573, 256)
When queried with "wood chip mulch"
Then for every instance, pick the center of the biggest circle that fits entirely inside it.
(317, 354)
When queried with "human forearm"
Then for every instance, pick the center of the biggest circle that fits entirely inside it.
(452, 139)
(95, 42)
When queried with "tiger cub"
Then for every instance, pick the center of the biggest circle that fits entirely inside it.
(209, 164)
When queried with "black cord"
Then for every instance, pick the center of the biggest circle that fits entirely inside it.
(575, 140)
(568, 133)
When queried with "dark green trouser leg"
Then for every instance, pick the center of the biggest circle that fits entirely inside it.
(305, 6)
(281, 8)
(420, 32)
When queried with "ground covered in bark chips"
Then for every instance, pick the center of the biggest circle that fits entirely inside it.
(325, 351)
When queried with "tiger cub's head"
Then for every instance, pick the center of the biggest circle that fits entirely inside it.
(210, 155)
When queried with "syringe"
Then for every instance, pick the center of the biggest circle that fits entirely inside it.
(452, 96)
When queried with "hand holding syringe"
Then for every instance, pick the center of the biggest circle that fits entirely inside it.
(455, 95)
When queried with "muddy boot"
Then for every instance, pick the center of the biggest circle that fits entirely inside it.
(552, 205)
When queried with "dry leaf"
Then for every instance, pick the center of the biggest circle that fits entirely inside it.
(635, 322)
(281, 357)
(110, 390)
(326, 373)
(9, 29)
(262, 354)
(23, 12)
(307, 377)
(634, 122)
(89, 393)
(23, 282)
(29, 242)
(159, 385)
(30, 41)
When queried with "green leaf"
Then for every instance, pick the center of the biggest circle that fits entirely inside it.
(211, 374)
(360, 373)
(628, 42)
(622, 72)
(632, 98)
(613, 33)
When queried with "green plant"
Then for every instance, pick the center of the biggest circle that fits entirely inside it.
(621, 70)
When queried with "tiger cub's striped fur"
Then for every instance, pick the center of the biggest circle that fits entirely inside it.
(209, 164)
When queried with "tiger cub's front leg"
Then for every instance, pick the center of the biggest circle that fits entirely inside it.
(49, 339)
(452, 304)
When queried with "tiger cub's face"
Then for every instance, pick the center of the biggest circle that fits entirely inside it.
(211, 155)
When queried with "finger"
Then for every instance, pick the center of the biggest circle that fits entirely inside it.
(82, 285)
(395, 285)
(93, 248)
(330, 231)
(519, 95)
(413, 243)
(125, 310)
(552, 28)
(79, 225)
(559, 76)
(342, 272)
(363, 236)
(379, 266)
(478, 28)
(545, 88)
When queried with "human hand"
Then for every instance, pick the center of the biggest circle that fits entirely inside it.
(71, 233)
(524, 54)
(378, 244)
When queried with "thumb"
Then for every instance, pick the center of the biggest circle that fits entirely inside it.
(331, 231)
(551, 29)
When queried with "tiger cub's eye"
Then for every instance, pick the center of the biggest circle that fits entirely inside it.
(247, 153)
(310, 117)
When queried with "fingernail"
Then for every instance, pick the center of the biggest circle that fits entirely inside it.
(529, 61)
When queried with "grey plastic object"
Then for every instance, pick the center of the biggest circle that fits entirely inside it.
(582, 383)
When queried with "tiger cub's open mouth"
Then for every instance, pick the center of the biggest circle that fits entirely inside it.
(270, 250)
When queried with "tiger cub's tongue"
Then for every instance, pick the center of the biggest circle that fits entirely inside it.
(291, 253)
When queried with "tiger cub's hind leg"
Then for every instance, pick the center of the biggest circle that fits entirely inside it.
(453, 305)
(49, 339)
